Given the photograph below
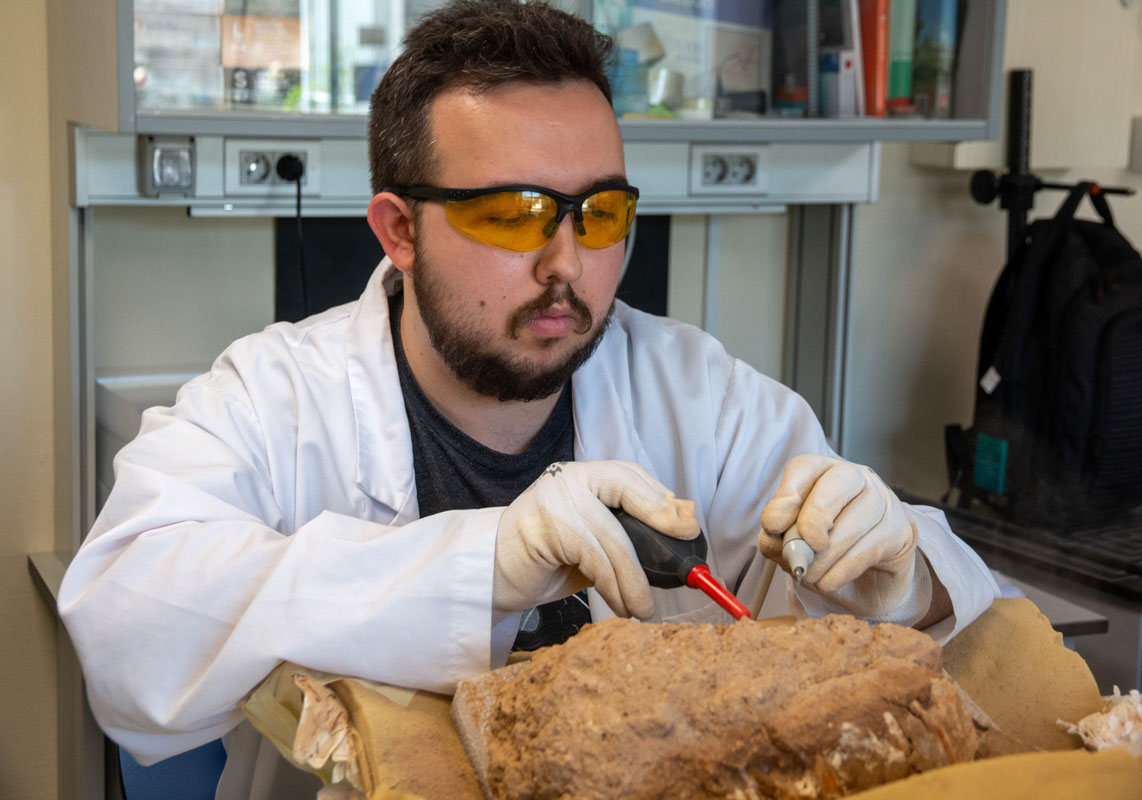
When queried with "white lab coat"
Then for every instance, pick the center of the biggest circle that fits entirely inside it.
(271, 515)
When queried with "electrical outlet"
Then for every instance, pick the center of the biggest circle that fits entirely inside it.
(741, 169)
(255, 167)
(260, 167)
(251, 167)
(732, 169)
(714, 169)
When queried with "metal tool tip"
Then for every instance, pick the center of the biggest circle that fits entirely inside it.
(798, 572)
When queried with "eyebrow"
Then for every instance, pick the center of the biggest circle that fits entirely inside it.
(616, 177)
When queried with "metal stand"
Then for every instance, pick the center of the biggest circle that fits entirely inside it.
(1016, 189)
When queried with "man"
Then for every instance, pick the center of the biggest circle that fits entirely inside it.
(390, 489)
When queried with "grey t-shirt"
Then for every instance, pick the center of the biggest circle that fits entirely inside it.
(453, 471)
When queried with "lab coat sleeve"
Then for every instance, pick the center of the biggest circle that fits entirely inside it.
(762, 425)
(188, 590)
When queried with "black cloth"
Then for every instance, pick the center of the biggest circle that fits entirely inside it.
(453, 471)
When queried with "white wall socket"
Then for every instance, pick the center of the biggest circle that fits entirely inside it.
(729, 169)
(251, 167)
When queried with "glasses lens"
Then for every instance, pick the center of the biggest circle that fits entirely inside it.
(607, 217)
(511, 220)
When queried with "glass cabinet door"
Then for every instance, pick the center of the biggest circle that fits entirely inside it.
(700, 60)
(690, 60)
(286, 56)
(675, 57)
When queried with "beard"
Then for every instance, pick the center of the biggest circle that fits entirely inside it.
(466, 349)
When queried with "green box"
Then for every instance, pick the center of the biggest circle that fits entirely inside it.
(990, 471)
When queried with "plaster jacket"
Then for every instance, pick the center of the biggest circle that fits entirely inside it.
(271, 515)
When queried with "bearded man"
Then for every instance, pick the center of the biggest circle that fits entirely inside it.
(406, 487)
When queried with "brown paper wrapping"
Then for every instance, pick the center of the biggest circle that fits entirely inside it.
(1014, 665)
(1009, 661)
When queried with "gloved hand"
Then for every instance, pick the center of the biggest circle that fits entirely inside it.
(560, 536)
(864, 544)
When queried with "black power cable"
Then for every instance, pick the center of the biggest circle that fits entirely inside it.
(292, 168)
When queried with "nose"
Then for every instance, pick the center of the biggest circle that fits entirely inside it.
(559, 259)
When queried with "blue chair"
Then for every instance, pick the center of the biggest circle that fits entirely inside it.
(192, 775)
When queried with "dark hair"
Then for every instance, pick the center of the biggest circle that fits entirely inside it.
(479, 45)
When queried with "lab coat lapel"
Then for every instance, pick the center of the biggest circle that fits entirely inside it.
(384, 446)
(604, 428)
(601, 394)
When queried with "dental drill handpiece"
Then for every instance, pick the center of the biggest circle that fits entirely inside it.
(797, 554)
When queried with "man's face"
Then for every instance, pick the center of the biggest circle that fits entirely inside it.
(515, 325)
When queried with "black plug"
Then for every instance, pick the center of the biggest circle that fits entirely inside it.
(290, 168)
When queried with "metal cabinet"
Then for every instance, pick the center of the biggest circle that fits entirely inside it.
(696, 87)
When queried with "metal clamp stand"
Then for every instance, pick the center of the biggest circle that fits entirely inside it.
(1016, 190)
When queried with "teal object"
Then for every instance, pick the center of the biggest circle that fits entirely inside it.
(901, 45)
(990, 471)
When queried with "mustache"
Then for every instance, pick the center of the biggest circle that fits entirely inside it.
(553, 295)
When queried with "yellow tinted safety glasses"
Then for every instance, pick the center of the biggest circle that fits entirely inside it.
(524, 218)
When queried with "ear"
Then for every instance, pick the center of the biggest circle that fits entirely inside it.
(392, 222)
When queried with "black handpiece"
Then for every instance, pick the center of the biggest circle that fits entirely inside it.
(667, 561)
(670, 563)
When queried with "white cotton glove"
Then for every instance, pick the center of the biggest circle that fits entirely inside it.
(560, 536)
(865, 557)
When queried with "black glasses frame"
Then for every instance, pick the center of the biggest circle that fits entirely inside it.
(563, 202)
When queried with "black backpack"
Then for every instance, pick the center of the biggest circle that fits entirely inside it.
(1057, 434)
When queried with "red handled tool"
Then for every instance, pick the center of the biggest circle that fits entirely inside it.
(670, 563)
